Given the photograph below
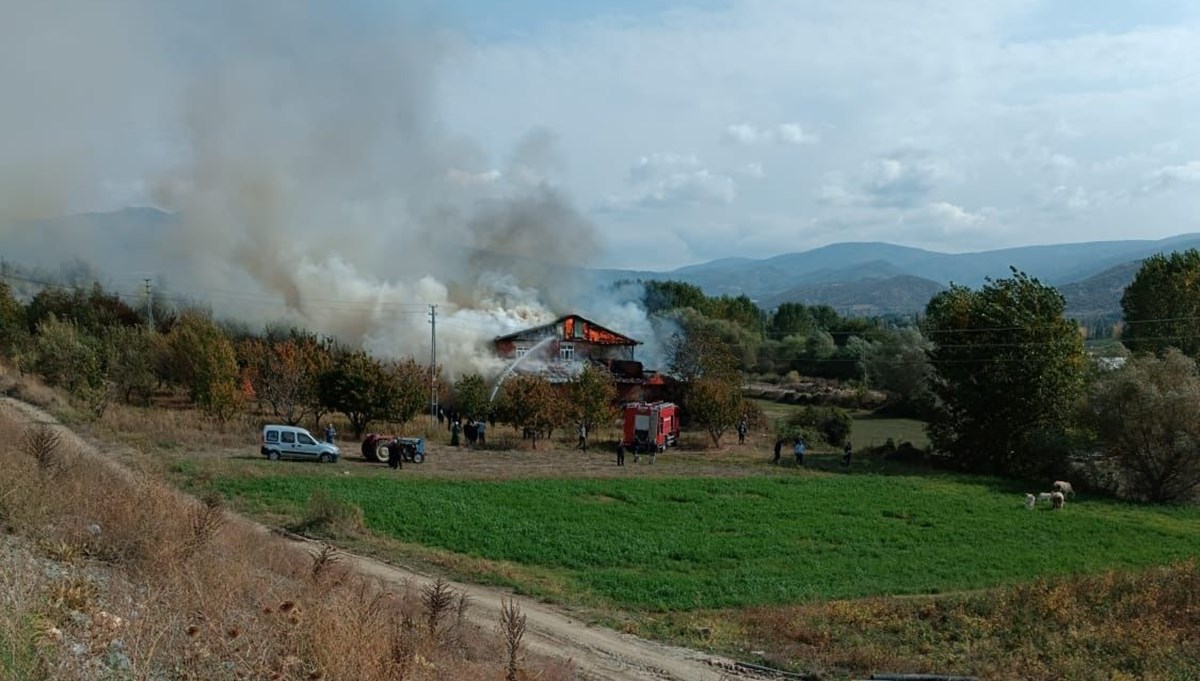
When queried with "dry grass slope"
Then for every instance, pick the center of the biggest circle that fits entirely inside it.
(106, 573)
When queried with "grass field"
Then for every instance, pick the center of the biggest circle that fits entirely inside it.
(687, 543)
(869, 430)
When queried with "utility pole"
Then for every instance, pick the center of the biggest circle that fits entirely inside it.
(433, 403)
(149, 306)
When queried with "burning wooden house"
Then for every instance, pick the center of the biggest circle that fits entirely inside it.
(560, 349)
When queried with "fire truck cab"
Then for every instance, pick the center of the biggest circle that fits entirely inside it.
(650, 427)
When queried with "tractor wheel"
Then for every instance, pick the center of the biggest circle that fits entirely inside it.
(418, 457)
(382, 453)
(369, 448)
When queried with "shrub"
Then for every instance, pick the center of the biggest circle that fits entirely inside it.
(330, 517)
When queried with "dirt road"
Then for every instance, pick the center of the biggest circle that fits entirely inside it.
(599, 654)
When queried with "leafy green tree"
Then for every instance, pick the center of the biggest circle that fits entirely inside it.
(471, 396)
(593, 397)
(1008, 368)
(899, 364)
(131, 367)
(203, 360)
(65, 357)
(13, 333)
(791, 319)
(714, 404)
(360, 387)
(1147, 414)
(663, 296)
(1162, 305)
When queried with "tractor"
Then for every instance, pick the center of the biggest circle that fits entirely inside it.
(377, 448)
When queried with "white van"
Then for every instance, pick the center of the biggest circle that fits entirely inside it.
(293, 442)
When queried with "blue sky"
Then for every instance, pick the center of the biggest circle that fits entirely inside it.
(678, 132)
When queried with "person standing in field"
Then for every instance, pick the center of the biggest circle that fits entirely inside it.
(455, 429)
(481, 432)
(330, 433)
(741, 430)
(620, 453)
(582, 430)
(799, 450)
(778, 451)
(846, 452)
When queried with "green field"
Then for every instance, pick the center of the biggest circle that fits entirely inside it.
(869, 430)
(679, 544)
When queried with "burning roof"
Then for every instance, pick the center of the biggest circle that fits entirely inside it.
(572, 328)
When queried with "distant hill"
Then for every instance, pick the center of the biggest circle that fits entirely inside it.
(1099, 296)
(903, 294)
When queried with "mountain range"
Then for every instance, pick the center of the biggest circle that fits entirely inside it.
(868, 278)
(880, 278)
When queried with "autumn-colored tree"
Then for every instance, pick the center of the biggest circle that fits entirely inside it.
(471, 396)
(593, 397)
(360, 387)
(202, 359)
(529, 403)
(281, 378)
(412, 390)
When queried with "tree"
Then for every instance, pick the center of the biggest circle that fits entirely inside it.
(360, 387)
(1147, 414)
(410, 382)
(13, 333)
(202, 359)
(66, 357)
(1162, 305)
(593, 397)
(132, 362)
(704, 361)
(1008, 369)
(471, 396)
(899, 364)
(791, 319)
(714, 404)
(529, 403)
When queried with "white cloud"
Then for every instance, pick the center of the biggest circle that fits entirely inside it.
(464, 178)
(782, 134)
(753, 171)
(952, 216)
(1171, 177)
(666, 179)
(896, 180)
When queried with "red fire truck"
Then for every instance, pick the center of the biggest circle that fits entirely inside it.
(650, 427)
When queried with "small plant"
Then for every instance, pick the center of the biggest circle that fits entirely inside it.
(205, 521)
(512, 625)
(438, 599)
(323, 561)
(43, 442)
(330, 516)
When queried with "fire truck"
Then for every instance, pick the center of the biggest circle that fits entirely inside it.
(650, 427)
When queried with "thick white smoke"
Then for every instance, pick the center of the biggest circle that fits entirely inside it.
(299, 146)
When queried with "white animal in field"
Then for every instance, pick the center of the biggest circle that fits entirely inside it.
(1063, 487)
(1044, 496)
(1030, 501)
(1057, 500)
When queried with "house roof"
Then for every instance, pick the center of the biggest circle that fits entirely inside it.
(593, 332)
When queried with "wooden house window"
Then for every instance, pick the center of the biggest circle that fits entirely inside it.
(566, 351)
